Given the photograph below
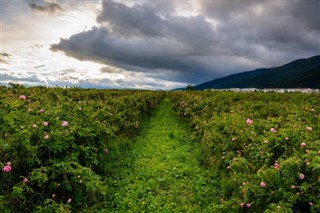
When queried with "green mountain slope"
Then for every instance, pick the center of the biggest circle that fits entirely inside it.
(303, 73)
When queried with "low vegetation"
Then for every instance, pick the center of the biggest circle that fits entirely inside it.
(52, 142)
(263, 148)
(72, 150)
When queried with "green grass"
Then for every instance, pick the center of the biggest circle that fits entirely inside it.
(159, 170)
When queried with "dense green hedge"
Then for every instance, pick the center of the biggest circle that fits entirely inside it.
(263, 148)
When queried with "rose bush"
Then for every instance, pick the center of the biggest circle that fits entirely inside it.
(52, 136)
(263, 148)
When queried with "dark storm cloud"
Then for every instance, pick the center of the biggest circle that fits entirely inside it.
(272, 24)
(227, 37)
(138, 20)
(49, 7)
(177, 43)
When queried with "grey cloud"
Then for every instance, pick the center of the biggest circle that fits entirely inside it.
(31, 78)
(224, 10)
(175, 43)
(190, 49)
(272, 24)
(138, 54)
(138, 20)
(50, 7)
(39, 66)
(110, 70)
(4, 57)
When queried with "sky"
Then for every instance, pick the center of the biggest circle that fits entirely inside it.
(160, 44)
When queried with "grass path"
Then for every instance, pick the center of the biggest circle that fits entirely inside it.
(159, 170)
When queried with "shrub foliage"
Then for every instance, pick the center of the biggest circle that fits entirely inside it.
(264, 148)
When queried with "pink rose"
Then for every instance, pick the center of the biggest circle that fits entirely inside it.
(45, 123)
(249, 121)
(303, 144)
(242, 205)
(23, 97)
(301, 176)
(46, 136)
(293, 187)
(248, 205)
(6, 168)
(262, 184)
(273, 130)
(25, 180)
(64, 123)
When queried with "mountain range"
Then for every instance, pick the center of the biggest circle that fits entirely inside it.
(301, 73)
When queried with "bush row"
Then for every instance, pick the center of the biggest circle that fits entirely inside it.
(263, 148)
(52, 141)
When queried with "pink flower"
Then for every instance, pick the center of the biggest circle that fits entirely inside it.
(308, 128)
(248, 205)
(53, 196)
(25, 180)
(242, 205)
(276, 165)
(249, 121)
(301, 176)
(8, 163)
(262, 184)
(286, 138)
(41, 110)
(273, 130)
(45, 123)
(303, 144)
(6, 168)
(46, 136)
(64, 123)
(310, 203)
(23, 97)
(69, 200)
(293, 187)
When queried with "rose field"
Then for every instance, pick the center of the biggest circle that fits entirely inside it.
(88, 150)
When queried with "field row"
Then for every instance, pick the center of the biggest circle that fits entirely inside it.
(263, 148)
(52, 143)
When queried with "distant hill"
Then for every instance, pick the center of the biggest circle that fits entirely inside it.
(301, 73)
